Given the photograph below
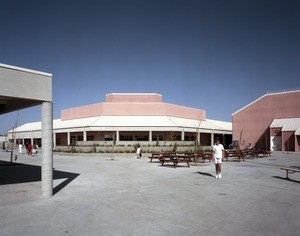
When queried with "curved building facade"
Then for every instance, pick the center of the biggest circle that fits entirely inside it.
(130, 117)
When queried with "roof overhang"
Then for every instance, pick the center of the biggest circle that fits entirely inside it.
(21, 88)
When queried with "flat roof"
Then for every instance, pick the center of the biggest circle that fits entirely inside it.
(25, 70)
(288, 124)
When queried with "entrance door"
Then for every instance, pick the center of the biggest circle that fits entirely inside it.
(276, 143)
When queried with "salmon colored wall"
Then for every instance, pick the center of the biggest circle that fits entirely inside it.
(255, 119)
(132, 109)
(275, 132)
(288, 141)
(82, 112)
(297, 143)
(133, 98)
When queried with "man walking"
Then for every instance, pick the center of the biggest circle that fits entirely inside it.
(218, 154)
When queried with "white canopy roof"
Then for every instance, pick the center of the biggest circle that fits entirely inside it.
(289, 124)
(131, 123)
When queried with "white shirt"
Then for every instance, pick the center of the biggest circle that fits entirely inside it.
(218, 151)
(138, 151)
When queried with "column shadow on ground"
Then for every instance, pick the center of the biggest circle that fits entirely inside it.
(23, 173)
(205, 174)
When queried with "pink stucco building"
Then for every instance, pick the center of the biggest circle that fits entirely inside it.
(131, 117)
(270, 122)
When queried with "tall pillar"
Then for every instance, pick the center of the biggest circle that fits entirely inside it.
(117, 136)
(84, 136)
(54, 140)
(150, 136)
(212, 138)
(198, 137)
(182, 135)
(69, 138)
(47, 154)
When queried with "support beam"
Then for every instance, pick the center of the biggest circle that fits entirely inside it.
(47, 154)
(54, 140)
(182, 135)
(212, 138)
(84, 136)
(150, 136)
(69, 138)
(198, 137)
(117, 136)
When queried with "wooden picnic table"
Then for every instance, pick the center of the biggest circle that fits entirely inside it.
(155, 156)
(235, 153)
(290, 170)
(175, 159)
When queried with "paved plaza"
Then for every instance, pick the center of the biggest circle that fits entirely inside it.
(126, 196)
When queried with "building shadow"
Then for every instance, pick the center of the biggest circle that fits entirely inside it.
(23, 173)
(205, 174)
(287, 179)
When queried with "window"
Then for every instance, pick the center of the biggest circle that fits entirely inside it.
(90, 138)
(126, 138)
(108, 137)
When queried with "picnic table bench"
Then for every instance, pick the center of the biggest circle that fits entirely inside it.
(175, 159)
(250, 153)
(155, 156)
(207, 155)
(234, 153)
(289, 171)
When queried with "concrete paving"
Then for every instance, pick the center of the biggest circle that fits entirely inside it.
(126, 196)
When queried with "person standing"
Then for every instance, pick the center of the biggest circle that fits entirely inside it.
(29, 149)
(218, 154)
(138, 152)
(20, 148)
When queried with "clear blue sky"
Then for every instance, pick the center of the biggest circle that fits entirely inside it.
(214, 55)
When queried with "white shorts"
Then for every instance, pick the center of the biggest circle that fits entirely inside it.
(218, 160)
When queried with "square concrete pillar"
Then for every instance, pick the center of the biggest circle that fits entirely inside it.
(69, 138)
(182, 135)
(212, 138)
(150, 136)
(47, 149)
(54, 140)
(117, 136)
(84, 136)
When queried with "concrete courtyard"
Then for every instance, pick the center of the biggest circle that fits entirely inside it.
(126, 196)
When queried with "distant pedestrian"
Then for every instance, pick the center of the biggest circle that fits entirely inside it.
(20, 148)
(3, 146)
(218, 154)
(138, 152)
(6, 146)
(248, 147)
(29, 149)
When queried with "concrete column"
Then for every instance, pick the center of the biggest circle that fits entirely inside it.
(84, 136)
(117, 136)
(47, 149)
(198, 137)
(69, 138)
(54, 140)
(182, 135)
(212, 138)
(150, 136)
(31, 139)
